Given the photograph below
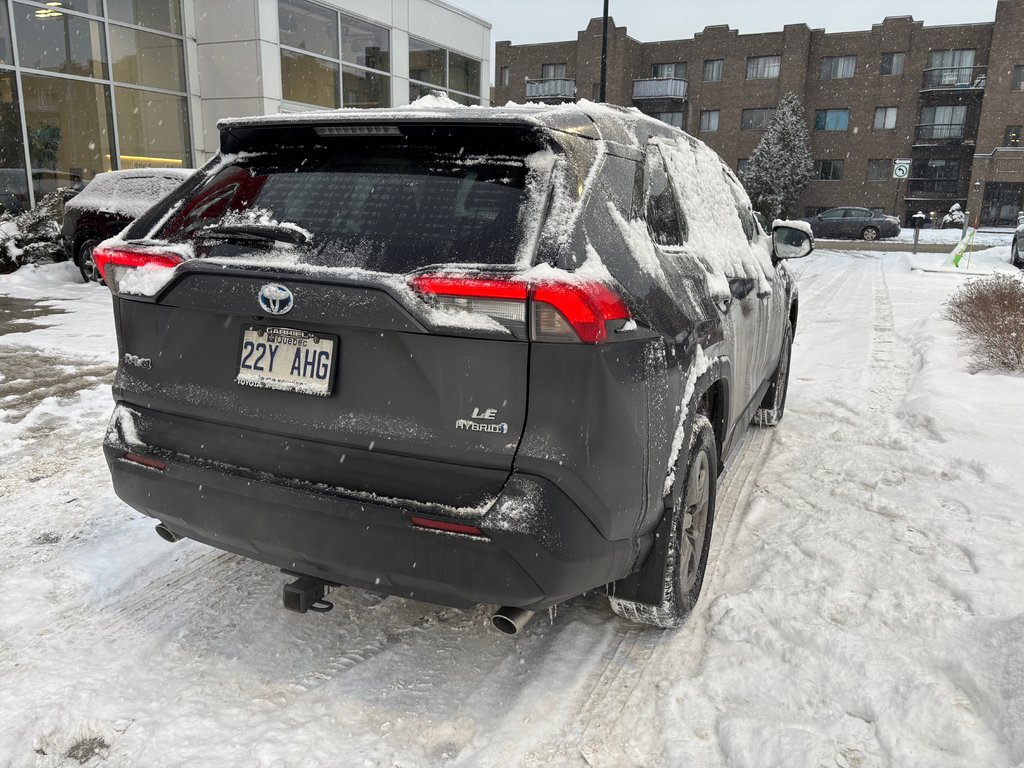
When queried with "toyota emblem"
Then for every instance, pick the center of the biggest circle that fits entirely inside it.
(276, 299)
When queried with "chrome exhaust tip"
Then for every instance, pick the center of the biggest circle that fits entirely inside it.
(167, 534)
(509, 620)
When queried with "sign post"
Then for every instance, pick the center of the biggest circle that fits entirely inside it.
(900, 171)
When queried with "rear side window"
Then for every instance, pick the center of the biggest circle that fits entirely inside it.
(389, 207)
(664, 219)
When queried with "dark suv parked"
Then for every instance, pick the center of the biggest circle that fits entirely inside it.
(467, 356)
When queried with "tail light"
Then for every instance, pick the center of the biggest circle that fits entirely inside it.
(558, 311)
(137, 271)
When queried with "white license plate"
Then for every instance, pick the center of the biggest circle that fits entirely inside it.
(286, 359)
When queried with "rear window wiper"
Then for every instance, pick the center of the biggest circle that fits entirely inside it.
(275, 232)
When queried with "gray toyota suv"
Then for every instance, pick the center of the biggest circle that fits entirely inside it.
(468, 356)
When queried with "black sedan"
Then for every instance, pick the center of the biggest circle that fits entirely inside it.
(108, 204)
(853, 223)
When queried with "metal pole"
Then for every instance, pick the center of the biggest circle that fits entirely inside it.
(604, 55)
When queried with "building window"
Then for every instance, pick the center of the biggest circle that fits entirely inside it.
(6, 54)
(828, 170)
(13, 181)
(713, 70)
(950, 67)
(939, 176)
(457, 75)
(832, 120)
(838, 67)
(708, 120)
(885, 118)
(64, 44)
(146, 58)
(742, 166)
(504, 76)
(330, 59)
(892, 63)
(675, 119)
(945, 122)
(551, 71)
(879, 170)
(1012, 136)
(763, 67)
(1018, 77)
(162, 15)
(756, 119)
(677, 70)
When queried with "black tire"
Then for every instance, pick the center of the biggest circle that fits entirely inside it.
(1015, 255)
(85, 263)
(869, 233)
(690, 536)
(773, 406)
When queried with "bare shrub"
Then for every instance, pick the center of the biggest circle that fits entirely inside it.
(990, 313)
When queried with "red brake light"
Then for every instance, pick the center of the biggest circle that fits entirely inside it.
(562, 311)
(145, 461)
(115, 264)
(586, 307)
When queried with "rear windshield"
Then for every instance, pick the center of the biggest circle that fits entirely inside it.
(382, 206)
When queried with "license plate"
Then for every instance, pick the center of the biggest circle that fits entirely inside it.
(286, 359)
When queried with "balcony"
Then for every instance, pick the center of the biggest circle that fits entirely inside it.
(929, 186)
(940, 133)
(660, 88)
(555, 88)
(954, 78)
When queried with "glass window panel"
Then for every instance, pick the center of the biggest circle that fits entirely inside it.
(838, 67)
(709, 120)
(69, 130)
(308, 26)
(152, 129)
(365, 44)
(892, 63)
(13, 184)
(756, 119)
(85, 6)
(144, 58)
(62, 43)
(164, 15)
(831, 119)
(742, 166)
(463, 73)
(417, 91)
(309, 80)
(1013, 136)
(427, 63)
(459, 98)
(675, 119)
(713, 70)
(361, 88)
(763, 67)
(1018, 77)
(6, 51)
(885, 118)
(505, 76)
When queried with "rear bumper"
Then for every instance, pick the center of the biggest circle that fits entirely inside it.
(538, 548)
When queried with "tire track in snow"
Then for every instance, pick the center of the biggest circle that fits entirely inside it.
(630, 667)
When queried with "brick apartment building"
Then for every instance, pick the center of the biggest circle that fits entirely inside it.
(950, 98)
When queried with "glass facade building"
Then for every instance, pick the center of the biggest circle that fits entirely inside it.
(88, 86)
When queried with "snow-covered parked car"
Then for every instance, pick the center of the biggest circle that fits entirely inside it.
(853, 223)
(469, 356)
(108, 204)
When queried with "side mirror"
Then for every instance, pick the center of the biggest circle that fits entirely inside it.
(789, 242)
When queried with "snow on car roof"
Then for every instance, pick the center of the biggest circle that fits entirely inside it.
(583, 118)
(130, 192)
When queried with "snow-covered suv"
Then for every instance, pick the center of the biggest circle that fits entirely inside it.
(469, 356)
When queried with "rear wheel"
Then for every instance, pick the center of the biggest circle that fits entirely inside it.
(1015, 255)
(869, 233)
(689, 537)
(774, 404)
(86, 264)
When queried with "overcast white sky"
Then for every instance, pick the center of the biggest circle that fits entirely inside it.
(540, 21)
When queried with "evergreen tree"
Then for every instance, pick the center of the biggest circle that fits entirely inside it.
(780, 169)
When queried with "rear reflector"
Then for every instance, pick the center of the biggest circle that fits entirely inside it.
(441, 525)
(118, 265)
(562, 311)
(145, 461)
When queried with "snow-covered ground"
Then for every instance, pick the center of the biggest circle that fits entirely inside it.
(952, 236)
(864, 606)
